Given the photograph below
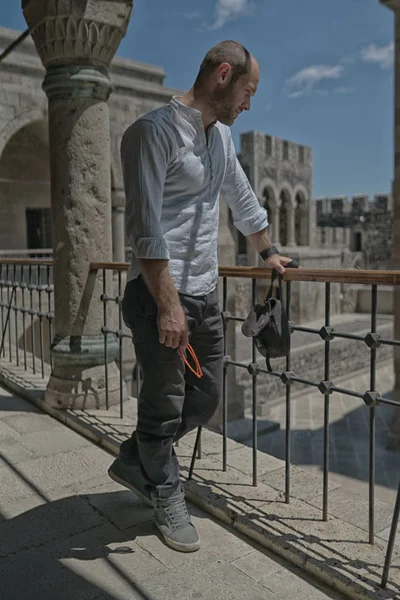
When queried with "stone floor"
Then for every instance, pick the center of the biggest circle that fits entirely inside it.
(349, 435)
(68, 532)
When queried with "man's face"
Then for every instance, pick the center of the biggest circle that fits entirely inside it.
(230, 100)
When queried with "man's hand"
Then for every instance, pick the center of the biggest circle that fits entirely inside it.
(172, 326)
(171, 319)
(278, 262)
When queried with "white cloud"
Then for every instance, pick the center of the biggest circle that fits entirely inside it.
(380, 55)
(227, 10)
(304, 81)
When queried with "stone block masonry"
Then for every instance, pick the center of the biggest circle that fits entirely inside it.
(369, 223)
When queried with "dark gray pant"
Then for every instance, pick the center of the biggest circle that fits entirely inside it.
(172, 400)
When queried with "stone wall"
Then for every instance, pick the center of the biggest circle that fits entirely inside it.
(362, 226)
(265, 157)
(280, 173)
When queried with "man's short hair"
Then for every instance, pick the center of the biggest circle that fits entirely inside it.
(230, 52)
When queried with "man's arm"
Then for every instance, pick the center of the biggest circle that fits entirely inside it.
(145, 154)
(172, 323)
(248, 216)
(261, 241)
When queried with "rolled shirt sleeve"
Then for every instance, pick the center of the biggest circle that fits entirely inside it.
(248, 216)
(145, 156)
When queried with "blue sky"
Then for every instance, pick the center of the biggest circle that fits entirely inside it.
(326, 73)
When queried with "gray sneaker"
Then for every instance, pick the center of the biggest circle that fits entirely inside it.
(173, 521)
(130, 476)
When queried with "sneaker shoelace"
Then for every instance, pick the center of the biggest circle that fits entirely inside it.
(176, 510)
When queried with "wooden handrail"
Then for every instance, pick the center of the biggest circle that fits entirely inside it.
(353, 276)
(26, 253)
(43, 262)
(114, 266)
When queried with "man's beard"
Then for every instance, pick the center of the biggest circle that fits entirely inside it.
(222, 105)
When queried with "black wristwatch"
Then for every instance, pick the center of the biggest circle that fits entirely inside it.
(265, 254)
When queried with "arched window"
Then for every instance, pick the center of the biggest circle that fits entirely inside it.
(283, 218)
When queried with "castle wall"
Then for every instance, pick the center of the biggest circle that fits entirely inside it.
(363, 226)
(280, 173)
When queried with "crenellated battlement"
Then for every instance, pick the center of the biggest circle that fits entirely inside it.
(362, 225)
(340, 211)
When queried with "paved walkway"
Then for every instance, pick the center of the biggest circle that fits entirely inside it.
(68, 532)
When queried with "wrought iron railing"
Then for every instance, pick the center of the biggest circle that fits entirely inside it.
(26, 312)
(372, 397)
(24, 286)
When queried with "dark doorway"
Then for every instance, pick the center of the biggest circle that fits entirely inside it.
(358, 242)
(38, 225)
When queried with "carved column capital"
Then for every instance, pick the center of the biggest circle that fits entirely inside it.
(77, 31)
(70, 81)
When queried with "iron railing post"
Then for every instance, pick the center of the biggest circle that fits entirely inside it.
(392, 538)
(326, 405)
(120, 340)
(2, 286)
(288, 403)
(31, 313)
(225, 378)
(15, 288)
(254, 388)
(40, 315)
(105, 332)
(374, 300)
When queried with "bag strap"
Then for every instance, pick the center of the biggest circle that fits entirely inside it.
(268, 364)
(279, 291)
(271, 287)
(278, 294)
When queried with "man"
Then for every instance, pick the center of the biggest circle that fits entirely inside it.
(176, 160)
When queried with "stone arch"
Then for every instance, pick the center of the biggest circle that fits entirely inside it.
(270, 185)
(25, 183)
(285, 215)
(269, 200)
(301, 217)
(20, 121)
(240, 240)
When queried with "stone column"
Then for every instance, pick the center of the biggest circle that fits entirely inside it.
(394, 436)
(274, 214)
(118, 225)
(291, 240)
(76, 42)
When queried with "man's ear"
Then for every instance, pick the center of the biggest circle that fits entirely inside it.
(224, 73)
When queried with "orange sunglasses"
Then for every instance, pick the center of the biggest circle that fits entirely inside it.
(198, 372)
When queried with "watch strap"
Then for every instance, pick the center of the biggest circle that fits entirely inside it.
(265, 254)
